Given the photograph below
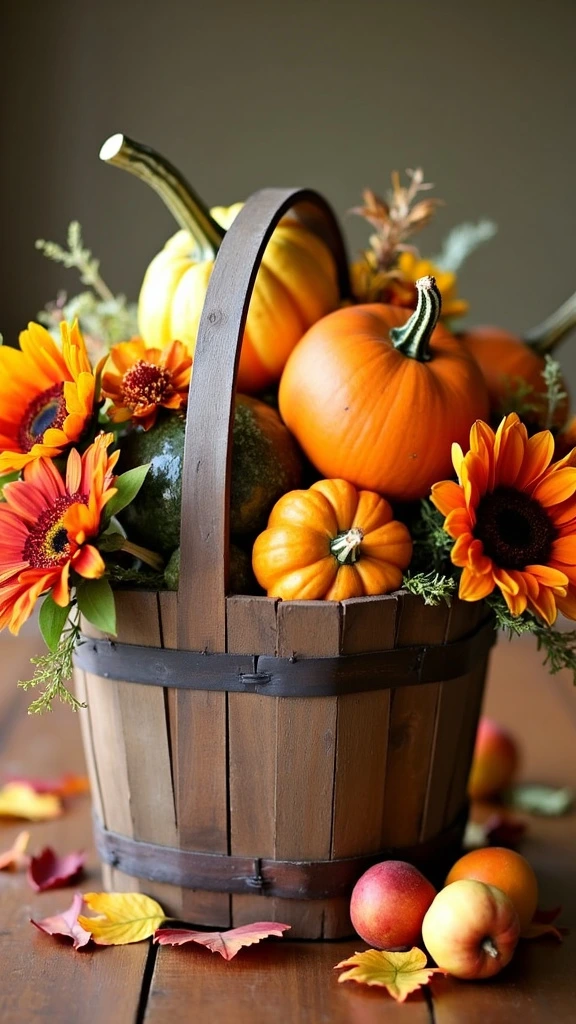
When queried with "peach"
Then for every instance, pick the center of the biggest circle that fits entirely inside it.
(506, 869)
(494, 763)
(471, 929)
(388, 904)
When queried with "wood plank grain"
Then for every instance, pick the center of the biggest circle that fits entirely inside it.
(412, 717)
(279, 981)
(198, 743)
(43, 979)
(252, 751)
(451, 724)
(368, 624)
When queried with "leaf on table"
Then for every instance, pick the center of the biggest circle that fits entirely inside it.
(66, 923)
(18, 800)
(16, 858)
(543, 924)
(49, 871)
(505, 829)
(400, 973)
(123, 917)
(65, 785)
(537, 798)
(227, 943)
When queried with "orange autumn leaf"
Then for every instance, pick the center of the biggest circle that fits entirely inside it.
(16, 858)
(400, 973)
(18, 800)
(123, 917)
(226, 943)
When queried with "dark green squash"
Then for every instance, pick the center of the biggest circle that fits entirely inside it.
(265, 464)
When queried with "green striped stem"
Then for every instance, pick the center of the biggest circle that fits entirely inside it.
(413, 339)
(544, 338)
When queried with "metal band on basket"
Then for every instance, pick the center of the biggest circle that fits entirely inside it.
(284, 677)
(288, 879)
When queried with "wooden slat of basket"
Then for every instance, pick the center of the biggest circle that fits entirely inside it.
(252, 749)
(453, 700)
(198, 741)
(459, 783)
(411, 735)
(368, 624)
(86, 729)
(306, 748)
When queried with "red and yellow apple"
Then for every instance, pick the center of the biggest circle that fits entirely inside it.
(507, 870)
(494, 763)
(388, 904)
(471, 929)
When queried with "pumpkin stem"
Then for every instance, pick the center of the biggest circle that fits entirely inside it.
(413, 339)
(544, 338)
(346, 546)
(184, 204)
(144, 554)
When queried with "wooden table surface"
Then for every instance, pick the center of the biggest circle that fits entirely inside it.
(43, 979)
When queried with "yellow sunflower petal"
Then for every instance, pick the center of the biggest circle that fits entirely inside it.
(475, 586)
(447, 496)
(556, 487)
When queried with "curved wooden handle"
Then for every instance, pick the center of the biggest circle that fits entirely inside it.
(204, 542)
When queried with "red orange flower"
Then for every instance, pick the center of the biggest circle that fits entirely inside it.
(46, 524)
(139, 380)
(513, 516)
(46, 395)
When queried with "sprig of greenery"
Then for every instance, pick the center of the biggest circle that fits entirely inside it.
(513, 625)
(145, 580)
(431, 587)
(52, 672)
(462, 241)
(79, 258)
(559, 649)
(432, 545)
(555, 394)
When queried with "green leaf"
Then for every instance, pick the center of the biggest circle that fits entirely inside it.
(96, 603)
(128, 484)
(52, 620)
(535, 798)
(8, 478)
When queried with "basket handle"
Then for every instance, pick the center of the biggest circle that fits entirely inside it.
(204, 539)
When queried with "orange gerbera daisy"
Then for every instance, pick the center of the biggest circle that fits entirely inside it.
(45, 525)
(139, 380)
(46, 395)
(513, 516)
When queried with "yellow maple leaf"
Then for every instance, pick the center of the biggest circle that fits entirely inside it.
(17, 800)
(123, 917)
(400, 973)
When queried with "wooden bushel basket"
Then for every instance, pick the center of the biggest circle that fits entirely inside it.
(250, 758)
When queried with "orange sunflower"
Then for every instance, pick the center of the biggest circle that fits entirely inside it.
(46, 395)
(139, 380)
(513, 516)
(45, 525)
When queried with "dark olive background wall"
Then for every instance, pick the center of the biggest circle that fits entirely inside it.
(323, 93)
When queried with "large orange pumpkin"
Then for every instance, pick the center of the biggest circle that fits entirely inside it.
(377, 396)
(513, 366)
(330, 543)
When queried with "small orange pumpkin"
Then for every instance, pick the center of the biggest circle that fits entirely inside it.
(513, 366)
(329, 543)
(377, 396)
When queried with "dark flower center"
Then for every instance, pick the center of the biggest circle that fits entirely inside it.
(515, 530)
(47, 545)
(146, 384)
(47, 410)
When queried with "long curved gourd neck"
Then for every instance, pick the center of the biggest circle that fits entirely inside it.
(413, 339)
(184, 204)
(544, 338)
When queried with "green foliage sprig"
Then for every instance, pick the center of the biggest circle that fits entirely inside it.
(53, 670)
(555, 394)
(432, 587)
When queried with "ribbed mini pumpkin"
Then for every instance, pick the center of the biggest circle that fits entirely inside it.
(330, 543)
(377, 396)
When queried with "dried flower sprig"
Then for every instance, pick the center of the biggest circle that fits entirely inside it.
(398, 217)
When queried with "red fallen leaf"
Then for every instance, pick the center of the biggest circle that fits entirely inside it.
(66, 923)
(536, 931)
(546, 916)
(66, 785)
(226, 943)
(16, 858)
(504, 830)
(49, 871)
